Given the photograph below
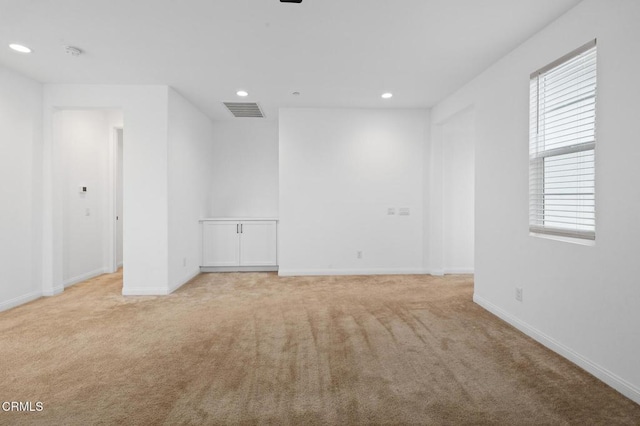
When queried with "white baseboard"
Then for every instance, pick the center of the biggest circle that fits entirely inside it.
(84, 277)
(238, 268)
(145, 291)
(158, 291)
(53, 292)
(372, 271)
(618, 383)
(447, 271)
(183, 282)
(20, 300)
(305, 272)
(456, 271)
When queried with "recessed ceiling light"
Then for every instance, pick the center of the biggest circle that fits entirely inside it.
(242, 93)
(20, 48)
(387, 95)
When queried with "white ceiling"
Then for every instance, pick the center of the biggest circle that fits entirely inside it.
(337, 53)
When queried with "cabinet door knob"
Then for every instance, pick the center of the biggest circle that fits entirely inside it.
(241, 227)
(237, 228)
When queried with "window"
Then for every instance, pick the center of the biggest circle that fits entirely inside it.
(562, 143)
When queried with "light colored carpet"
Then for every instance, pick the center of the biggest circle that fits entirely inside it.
(255, 348)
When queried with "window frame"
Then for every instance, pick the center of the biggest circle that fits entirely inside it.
(537, 195)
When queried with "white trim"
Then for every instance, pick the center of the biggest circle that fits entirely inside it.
(299, 272)
(408, 271)
(186, 280)
(269, 268)
(618, 383)
(238, 219)
(576, 52)
(110, 240)
(20, 300)
(145, 291)
(565, 239)
(53, 291)
(111, 243)
(78, 279)
(157, 291)
(458, 271)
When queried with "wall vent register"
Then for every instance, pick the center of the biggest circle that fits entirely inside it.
(562, 142)
(244, 109)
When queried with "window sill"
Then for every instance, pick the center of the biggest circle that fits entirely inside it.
(571, 240)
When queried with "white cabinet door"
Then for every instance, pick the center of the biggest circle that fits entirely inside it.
(220, 244)
(258, 243)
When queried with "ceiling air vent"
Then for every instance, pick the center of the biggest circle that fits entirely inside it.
(244, 109)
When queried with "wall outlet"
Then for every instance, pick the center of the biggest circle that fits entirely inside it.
(518, 294)
(359, 254)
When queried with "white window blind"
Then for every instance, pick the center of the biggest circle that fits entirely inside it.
(562, 146)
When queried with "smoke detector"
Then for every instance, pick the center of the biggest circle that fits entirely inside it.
(73, 51)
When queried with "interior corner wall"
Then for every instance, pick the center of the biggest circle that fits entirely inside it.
(20, 188)
(457, 156)
(145, 175)
(83, 140)
(428, 203)
(581, 301)
(244, 168)
(341, 170)
(190, 144)
(450, 222)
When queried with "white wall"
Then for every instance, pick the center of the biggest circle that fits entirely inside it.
(245, 168)
(450, 244)
(146, 235)
(340, 171)
(458, 189)
(582, 301)
(119, 189)
(83, 138)
(190, 137)
(20, 180)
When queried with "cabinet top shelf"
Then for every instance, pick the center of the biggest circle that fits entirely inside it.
(237, 219)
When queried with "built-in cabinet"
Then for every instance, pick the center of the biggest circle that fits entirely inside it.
(234, 244)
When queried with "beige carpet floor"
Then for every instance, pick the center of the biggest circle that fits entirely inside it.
(254, 348)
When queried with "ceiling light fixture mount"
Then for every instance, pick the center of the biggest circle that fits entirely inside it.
(296, 93)
(242, 93)
(73, 51)
(387, 95)
(19, 48)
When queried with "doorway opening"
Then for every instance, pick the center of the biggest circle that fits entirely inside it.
(119, 218)
(88, 186)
